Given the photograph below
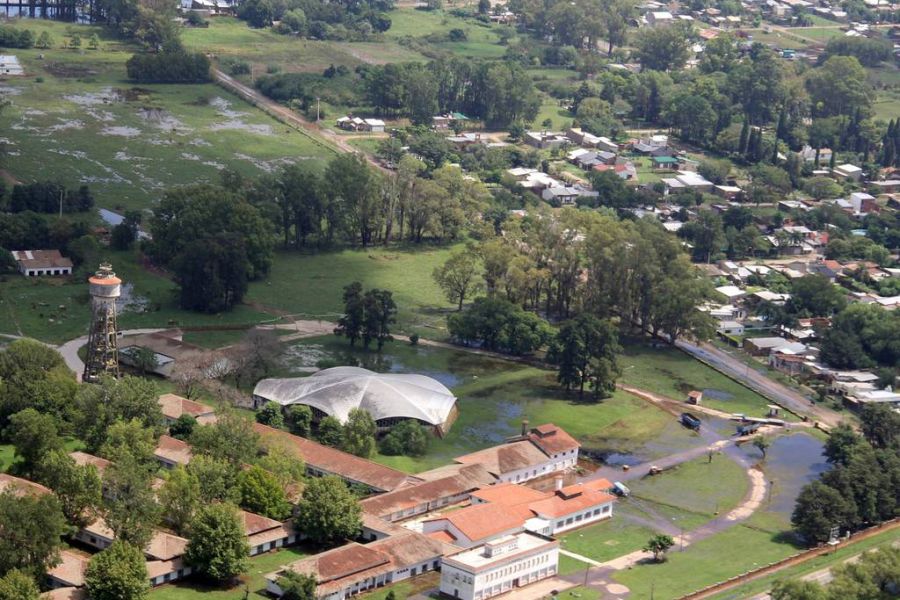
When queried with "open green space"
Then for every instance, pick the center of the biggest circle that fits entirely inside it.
(254, 580)
(698, 486)
(668, 371)
(607, 540)
(814, 564)
(228, 37)
(56, 310)
(76, 110)
(729, 553)
(820, 33)
(312, 284)
(494, 396)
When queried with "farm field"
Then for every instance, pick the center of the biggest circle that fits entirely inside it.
(76, 108)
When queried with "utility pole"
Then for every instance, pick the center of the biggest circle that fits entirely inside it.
(317, 109)
(61, 192)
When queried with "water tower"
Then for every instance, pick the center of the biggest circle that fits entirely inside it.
(103, 349)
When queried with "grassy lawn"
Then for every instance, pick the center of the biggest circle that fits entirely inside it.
(254, 580)
(698, 486)
(214, 338)
(821, 33)
(493, 398)
(779, 39)
(367, 145)
(550, 109)
(815, 564)
(76, 109)
(312, 284)
(714, 559)
(230, 37)
(672, 373)
(404, 589)
(56, 310)
(568, 565)
(607, 540)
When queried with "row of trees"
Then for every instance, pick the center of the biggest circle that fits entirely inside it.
(307, 18)
(863, 486)
(47, 197)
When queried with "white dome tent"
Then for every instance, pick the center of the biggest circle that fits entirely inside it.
(388, 397)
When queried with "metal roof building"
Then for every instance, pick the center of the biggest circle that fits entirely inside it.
(388, 397)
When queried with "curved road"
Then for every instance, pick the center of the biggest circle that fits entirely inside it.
(769, 388)
(69, 350)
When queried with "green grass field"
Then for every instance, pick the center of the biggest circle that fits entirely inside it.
(815, 564)
(605, 541)
(672, 373)
(56, 310)
(254, 580)
(697, 486)
(76, 110)
(312, 284)
(230, 37)
(714, 559)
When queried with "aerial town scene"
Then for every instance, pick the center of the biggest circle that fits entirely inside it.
(449, 299)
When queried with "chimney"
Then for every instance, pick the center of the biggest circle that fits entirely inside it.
(558, 483)
(524, 427)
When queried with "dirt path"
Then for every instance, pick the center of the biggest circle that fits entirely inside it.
(320, 134)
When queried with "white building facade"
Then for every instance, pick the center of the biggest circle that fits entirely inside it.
(499, 566)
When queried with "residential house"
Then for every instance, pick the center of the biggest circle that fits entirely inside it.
(686, 181)
(665, 162)
(9, 484)
(659, 18)
(732, 292)
(589, 160)
(764, 346)
(808, 154)
(624, 170)
(730, 328)
(583, 138)
(355, 568)
(732, 193)
(566, 195)
(847, 172)
(888, 186)
(359, 124)
(499, 566)
(546, 139)
(37, 263)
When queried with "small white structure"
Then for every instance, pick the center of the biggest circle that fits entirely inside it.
(499, 566)
(9, 65)
(37, 263)
(847, 171)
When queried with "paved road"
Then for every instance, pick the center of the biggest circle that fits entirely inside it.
(779, 393)
(69, 350)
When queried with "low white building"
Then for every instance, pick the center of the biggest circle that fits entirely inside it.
(499, 566)
(37, 263)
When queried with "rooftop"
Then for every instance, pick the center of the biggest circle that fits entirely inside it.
(483, 521)
(340, 463)
(41, 259)
(478, 557)
(21, 487)
(173, 406)
(173, 450)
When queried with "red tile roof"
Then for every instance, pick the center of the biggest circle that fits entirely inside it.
(339, 463)
(254, 523)
(483, 521)
(173, 450)
(509, 494)
(165, 546)
(173, 406)
(506, 458)
(466, 480)
(21, 487)
(552, 439)
(71, 568)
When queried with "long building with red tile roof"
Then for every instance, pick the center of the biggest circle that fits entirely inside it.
(542, 451)
(321, 460)
(355, 568)
(21, 487)
(174, 406)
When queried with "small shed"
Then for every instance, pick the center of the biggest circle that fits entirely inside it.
(665, 162)
(694, 397)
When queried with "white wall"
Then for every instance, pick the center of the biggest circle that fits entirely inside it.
(470, 585)
(591, 515)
